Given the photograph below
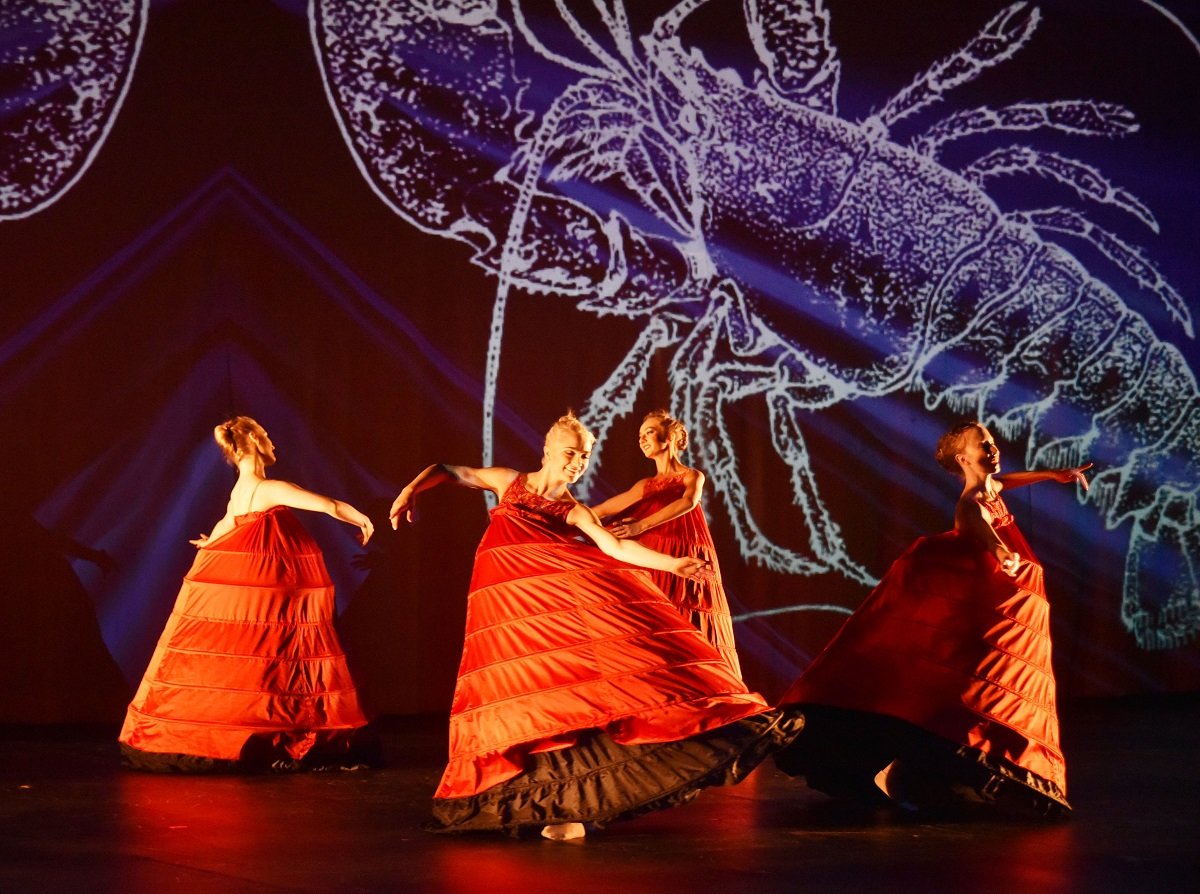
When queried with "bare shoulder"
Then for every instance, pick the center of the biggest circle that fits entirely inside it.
(280, 492)
(493, 478)
(271, 487)
(971, 505)
(693, 483)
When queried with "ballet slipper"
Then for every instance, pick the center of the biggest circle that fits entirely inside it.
(564, 831)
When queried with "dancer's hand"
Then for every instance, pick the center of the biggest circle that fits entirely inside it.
(402, 506)
(365, 530)
(199, 541)
(693, 569)
(1075, 473)
(627, 528)
(1010, 563)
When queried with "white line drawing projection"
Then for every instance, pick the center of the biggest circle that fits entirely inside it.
(65, 67)
(755, 216)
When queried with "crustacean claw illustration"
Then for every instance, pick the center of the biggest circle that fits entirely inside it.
(735, 216)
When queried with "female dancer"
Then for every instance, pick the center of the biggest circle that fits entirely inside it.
(939, 688)
(663, 513)
(248, 673)
(582, 695)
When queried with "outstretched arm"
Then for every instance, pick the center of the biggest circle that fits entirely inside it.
(495, 479)
(693, 486)
(631, 551)
(284, 493)
(619, 503)
(1063, 476)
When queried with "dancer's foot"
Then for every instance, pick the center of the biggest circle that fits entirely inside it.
(890, 780)
(934, 790)
(564, 831)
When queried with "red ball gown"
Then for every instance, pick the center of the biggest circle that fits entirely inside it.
(582, 694)
(702, 602)
(248, 673)
(944, 668)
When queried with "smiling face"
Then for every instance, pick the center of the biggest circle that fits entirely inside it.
(978, 452)
(662, 436)
(652, 438)
(567, 454)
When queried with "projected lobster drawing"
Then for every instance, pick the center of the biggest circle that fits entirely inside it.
(65, 66)
(929, 285)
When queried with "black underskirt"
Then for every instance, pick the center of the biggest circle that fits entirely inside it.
(842, 750)
(260, 755)
(599, 781)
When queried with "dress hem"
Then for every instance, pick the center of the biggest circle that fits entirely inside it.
(601, 781)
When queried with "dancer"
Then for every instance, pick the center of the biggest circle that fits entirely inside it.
(939, 689)
(663, 512)
(582, 695)
(248, 673)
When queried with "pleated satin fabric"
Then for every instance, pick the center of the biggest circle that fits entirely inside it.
(249, 653)
(703, 602)
(561, 639)
(949, 642)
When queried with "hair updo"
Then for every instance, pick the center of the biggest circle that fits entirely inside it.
(235, 437)
(675, 432)
(570, 425)
(950, 445)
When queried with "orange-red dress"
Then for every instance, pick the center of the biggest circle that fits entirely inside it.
(947, 644)
(248, 671)
(702, 602)
(582, 694)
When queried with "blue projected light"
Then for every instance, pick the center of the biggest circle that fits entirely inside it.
(133, 600)
(827, 228)
(801, 257)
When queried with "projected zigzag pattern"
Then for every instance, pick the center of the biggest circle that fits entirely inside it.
(150, 477)
(652, 223)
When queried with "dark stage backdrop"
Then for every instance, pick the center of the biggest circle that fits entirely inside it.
(407, 231)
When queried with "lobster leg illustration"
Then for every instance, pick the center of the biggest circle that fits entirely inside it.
(729, 347)
(615, 398)
(776, 250)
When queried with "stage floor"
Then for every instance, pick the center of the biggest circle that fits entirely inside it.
(72, 820)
